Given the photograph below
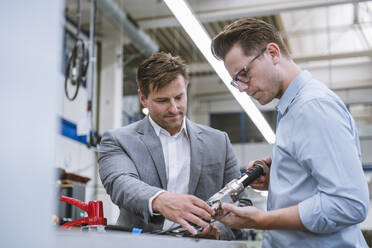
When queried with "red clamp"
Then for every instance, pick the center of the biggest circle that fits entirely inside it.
(93, 208)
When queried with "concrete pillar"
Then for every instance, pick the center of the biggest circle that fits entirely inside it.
(111, 86)
(110, 107)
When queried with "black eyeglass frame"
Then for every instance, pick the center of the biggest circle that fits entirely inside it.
(234, 81)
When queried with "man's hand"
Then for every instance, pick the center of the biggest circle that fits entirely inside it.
(250, 217)
(211, 231)
(182, 208)
(261, 183)
(241, 217)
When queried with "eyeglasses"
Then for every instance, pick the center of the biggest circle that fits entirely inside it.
(243, 73)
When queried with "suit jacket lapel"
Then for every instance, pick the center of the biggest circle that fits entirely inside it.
(153, 144)
(196, 147)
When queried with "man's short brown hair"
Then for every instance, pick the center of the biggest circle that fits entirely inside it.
(159, 70)
(252, 34)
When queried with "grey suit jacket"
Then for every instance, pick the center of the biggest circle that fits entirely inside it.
(132, 169)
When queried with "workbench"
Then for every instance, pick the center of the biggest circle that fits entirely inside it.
(67, 238)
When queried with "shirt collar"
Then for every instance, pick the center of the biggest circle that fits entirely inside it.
(292, 90)
(159, 129)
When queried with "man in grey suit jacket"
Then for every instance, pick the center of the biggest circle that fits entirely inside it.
(161, 169)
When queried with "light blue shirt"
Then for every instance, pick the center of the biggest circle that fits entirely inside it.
(316, 163)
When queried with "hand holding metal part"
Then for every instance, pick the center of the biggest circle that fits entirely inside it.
(232, 190)
(230, 193)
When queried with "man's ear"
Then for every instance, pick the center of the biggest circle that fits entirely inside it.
(142, 98)
(274, 52)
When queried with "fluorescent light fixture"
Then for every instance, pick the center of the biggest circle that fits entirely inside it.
(201, 39)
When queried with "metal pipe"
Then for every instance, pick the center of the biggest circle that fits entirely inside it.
(112, 11)
(91, 71)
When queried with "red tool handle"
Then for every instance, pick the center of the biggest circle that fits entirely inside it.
(75, 202)
(93, 208)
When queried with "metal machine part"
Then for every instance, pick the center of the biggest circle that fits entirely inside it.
(230, 193)
(232, 190)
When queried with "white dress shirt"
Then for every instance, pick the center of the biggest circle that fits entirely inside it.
(176, 150)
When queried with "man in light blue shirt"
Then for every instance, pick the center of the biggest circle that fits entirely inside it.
(317, 189)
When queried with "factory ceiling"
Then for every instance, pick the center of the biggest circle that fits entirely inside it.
(318, 30)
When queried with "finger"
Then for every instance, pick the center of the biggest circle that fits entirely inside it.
(217, 234)
(206, 231)
(200, 213)
(213, 228)
(228, 220)
(202, 204)
(228, 207)
(267, 160)
(250, 165)
(196, 220)
(187, 226)
(212, 231)
(260, 179)
(257, 182)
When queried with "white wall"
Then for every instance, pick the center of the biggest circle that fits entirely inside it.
(30, 63)
(111, 89)
(72, 155)
(76, 157)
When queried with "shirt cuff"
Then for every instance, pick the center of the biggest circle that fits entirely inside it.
(150, 202)
(305, 210)
(311, 215)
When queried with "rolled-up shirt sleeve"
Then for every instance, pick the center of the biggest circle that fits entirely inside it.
(327, 148)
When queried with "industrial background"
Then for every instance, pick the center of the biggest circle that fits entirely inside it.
(330, 38)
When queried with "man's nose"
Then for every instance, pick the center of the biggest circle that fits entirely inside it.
(242, 86)
(173, 106)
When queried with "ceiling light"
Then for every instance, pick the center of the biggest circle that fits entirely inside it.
(201, 39)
